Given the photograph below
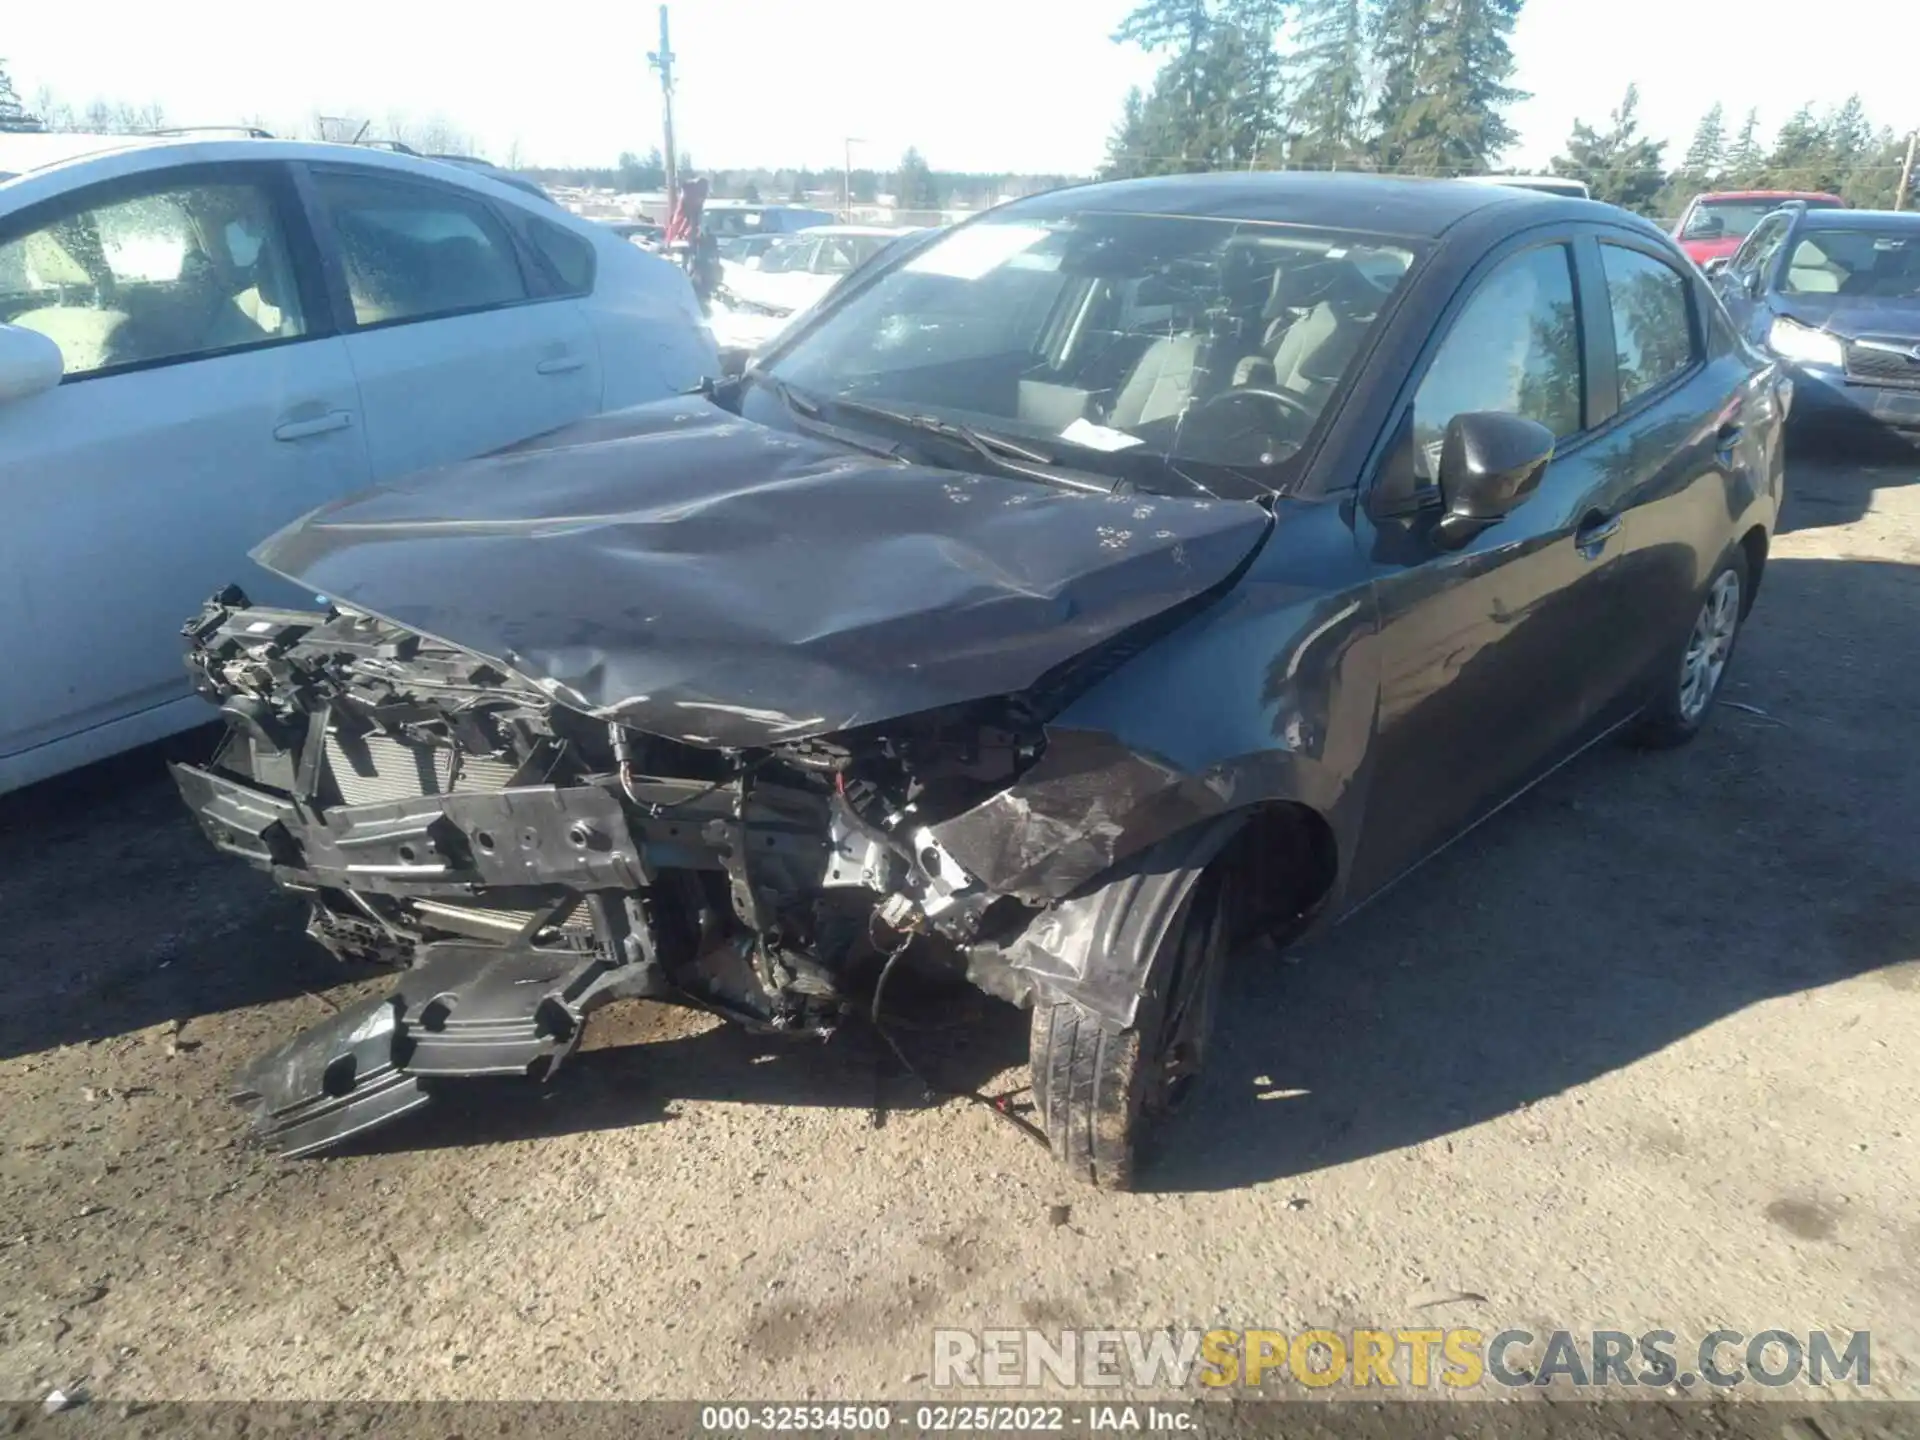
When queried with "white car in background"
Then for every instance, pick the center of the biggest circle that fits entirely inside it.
(763, 293)
(201, 340)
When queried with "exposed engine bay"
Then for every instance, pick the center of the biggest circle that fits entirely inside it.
(674, 705)
(527, 863)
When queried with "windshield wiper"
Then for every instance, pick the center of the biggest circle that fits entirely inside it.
(1015, 457)
(807, 411)
(989, 443)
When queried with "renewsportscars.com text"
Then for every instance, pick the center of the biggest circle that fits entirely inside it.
(1418, 1359)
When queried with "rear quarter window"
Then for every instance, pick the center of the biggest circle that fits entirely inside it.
(567, 258)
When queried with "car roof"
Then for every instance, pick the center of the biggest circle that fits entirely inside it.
(1381, 204)
(110, 157)
(1764, 195)
(1881, 220)
(25, 151)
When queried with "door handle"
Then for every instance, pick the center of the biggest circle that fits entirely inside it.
(1594, 533)
(318, 425)
(559, 365)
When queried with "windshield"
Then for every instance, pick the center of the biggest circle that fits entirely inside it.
(1881, 264)
(1728, 219)
(1113, 340)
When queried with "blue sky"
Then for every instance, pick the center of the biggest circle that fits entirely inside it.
(1030, 85)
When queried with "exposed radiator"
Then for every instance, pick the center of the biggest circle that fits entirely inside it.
(370, 769)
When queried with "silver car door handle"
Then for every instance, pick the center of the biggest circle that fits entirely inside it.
(319, 425)
(559, 365)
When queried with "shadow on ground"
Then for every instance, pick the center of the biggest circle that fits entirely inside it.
(1630, 901)
(115, 914)
(638, 1079)
(1832, 479)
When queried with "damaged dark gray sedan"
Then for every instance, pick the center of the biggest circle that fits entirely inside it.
(1132, 570)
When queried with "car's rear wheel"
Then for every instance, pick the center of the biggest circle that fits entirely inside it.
(1692, 680)
(1103, 1091)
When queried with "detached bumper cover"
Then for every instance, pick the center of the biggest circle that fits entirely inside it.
(462, 1011)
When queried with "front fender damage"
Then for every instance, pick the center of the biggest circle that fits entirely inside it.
(1088, 803)
(1095, 946)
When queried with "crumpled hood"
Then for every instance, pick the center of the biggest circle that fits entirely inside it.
(1849, 316)
(703, 577)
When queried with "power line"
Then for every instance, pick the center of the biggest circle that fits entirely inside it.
(1428, 172)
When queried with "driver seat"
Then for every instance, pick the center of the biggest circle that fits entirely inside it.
(1318, 314)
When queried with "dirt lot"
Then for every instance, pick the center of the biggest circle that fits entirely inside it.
(1639, 1054)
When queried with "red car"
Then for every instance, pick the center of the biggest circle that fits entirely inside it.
(1715, 223)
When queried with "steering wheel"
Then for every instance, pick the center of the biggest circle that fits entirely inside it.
(1270, 403)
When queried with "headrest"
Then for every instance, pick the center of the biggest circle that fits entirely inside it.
(1303, 285)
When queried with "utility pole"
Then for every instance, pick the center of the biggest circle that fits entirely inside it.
(662, 60)
(846, 177)
(1906, 173)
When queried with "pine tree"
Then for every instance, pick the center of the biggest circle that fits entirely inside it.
(1875, 179)
(1398, 30)
(13, 114)
(1331, 80)
(1850, 142)
(914, 186)
(1127, 148)
(1706, 156)
(1799, 151)
(1214, 104)
(1618, 165)
(1157, 24)
(1447, 65)
(1744, 157)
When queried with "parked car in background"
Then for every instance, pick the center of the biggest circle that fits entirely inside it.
(202, 339)
(743, 248)
(764, 292)
(723, 219)
(1546, 184)
(1123, 573)
(1713, 225)
(1836, 295)
(645, 233)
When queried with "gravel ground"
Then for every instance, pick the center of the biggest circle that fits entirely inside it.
(1636, 1055)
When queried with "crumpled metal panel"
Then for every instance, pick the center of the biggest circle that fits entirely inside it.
(703, 577)
(1088, 802)
(1097, 946)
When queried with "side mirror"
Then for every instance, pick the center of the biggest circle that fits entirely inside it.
(1489, 462)
(29, 363)
(752, 262)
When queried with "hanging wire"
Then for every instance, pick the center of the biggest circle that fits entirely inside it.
(1001, 1104)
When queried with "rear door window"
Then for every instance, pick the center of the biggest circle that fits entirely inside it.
(413, 251)
(1653, 336)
